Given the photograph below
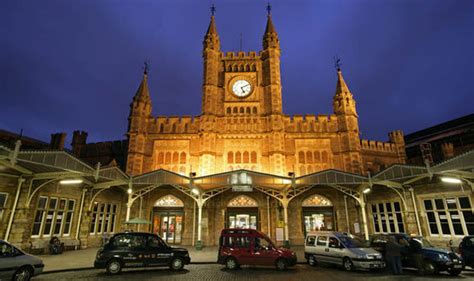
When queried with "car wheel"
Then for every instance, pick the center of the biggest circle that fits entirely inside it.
(312, 260)
(281, 264)
(231, 263)
(430, 267)
(454, 272)
(177, 264)
(23, 274)
(114, 266)
(347, 264)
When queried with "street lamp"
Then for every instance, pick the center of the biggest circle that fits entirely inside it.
(367, 190)
(129, 191)
(195, 191)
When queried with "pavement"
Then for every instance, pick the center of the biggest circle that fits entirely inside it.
(216, 272)
(84, 258)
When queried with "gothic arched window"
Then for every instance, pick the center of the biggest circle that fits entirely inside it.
(309, 157)
(230, 157)
(175, 158)
(316, 201)
(324, 156)
(168, 158)
(242, 110)
(301, 157)
(161, 157)
(317, 157)
(253, 157)
(246, 157)
(247, 110)
(238, 157)
(162, 128)
(229, 110)
(254, 110)
(182, 158)
(169, 201)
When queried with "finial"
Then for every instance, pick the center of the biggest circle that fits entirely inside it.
(146, 67)
(269, 9)
(213, 10)
(337, 63)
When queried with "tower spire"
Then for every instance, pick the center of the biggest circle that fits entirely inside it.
(143, 93)
(343, 101)
(211, 39)
(270, 38)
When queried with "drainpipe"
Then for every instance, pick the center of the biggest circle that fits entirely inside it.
(269, 232)
(194, 223)
(412, 192)
(78, 229)
(347, 215)
(15, 203)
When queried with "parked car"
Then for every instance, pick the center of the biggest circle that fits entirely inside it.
(341, 249)
(251, 247)
(139, 249)
(16, 264)
(434, 259)
(466, 249)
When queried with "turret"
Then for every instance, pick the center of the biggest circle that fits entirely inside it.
(271, 67)
(398, 139)
(79, 139)
(211, 55)
(343, 102)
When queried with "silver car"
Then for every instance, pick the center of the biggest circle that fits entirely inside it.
(341, 249)
(17, 265)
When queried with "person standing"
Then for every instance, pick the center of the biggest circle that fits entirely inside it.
(416, 252)
(393, 255)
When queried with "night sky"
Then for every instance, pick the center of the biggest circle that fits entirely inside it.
(68, 65)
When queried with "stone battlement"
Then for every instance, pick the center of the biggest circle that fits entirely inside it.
(378, 146)
(311, 122)
(239, 55)
(174, 124)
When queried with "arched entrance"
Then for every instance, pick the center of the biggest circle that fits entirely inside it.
(318, 214)
(168, 212)
(242, 212)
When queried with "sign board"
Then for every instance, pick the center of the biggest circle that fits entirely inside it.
(356, 227)
(279, 234)
(242, 188)
(281, 223)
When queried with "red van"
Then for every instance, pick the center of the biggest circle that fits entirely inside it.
(251, 247)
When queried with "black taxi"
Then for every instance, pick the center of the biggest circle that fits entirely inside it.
(139, 249)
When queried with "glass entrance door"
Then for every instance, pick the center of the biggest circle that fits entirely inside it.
(315, 219)
(168, 225)
(242, 218)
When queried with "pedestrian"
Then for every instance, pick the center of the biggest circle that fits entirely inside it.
(416, 252)
(393, 255)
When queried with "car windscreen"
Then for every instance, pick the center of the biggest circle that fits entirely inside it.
(424, 243)
(352, 242)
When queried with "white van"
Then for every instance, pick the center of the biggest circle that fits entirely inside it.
(341, 249)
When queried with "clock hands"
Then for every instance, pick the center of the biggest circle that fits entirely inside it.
(242, 88)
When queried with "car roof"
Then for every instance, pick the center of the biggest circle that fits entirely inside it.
(335, 233)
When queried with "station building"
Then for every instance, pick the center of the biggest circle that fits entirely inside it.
(242, 163)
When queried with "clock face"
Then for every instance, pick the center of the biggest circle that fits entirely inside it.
(241, 88)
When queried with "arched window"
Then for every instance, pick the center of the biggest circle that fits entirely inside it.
(175, 158)
(301, 157)
(230, 68)
(302, 170)
(309, 157)
(254, 110)
(253, 157)
(242, 201)
(168, 158)
(182, 158)
(169, 201)
(238, 157)
(236, 68)
(186, 127)
(241, 110)
(162, 128)
(229, 110)
(246, 157)
(254, 68)
(247, 67)
(230, 157)
(317, 157)
(161, 157)
(247, 110)
(241, 68)
(316, 201)
(235, 110)
(324, 156)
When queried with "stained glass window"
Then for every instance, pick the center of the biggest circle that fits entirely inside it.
(242, 201)
(316, 200)
(169, 201)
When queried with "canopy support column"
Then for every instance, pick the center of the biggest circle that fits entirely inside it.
(79, 220)
(15, 203)
(286, 242)
(364, 216)
(415, 208)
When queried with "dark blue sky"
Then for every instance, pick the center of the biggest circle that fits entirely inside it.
(67, 65)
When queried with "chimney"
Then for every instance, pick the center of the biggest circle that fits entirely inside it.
(448, 150)
(79, 139)
(57, 141)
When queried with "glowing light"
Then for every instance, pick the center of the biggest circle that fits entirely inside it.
(70, 181)
(195, 191)
(129, 191)
(367, 190)
(450, 180)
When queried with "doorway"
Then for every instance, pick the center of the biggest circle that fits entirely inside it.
(168, 225)
(318, 214)
(242, 212)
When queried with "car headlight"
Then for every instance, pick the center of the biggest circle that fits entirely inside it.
(443, 257)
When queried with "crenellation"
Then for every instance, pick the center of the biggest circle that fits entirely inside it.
(240, 55)
(378, 146)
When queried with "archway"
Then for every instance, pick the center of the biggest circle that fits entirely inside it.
(168, 213)
(242, 212)
(318, 214)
